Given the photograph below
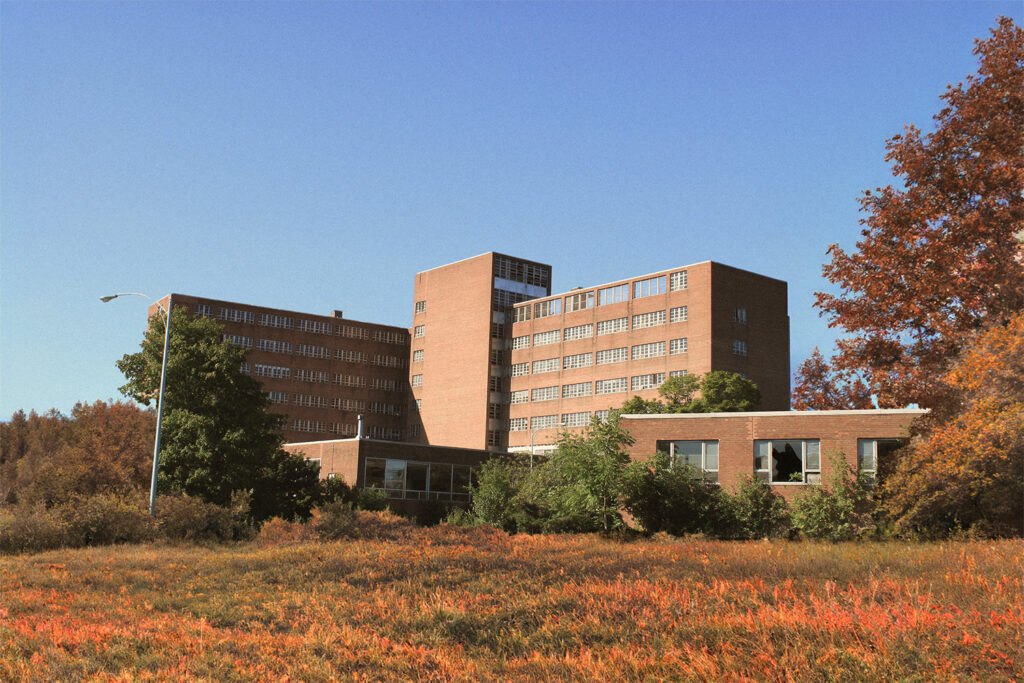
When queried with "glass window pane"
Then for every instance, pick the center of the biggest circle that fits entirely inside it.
(416, 476)
(866, 454)
(762, 455)
(787, 463)
(374, 473)
(440, 477)
(689, 453)
(711, 456)
(460, 483)
(813, 456)
(394, 474)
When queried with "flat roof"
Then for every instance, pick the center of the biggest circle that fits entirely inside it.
(388, 441)
(777, 413)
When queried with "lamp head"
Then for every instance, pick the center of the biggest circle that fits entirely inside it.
(105, 299)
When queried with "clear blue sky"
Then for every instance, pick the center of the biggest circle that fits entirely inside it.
(315, 155)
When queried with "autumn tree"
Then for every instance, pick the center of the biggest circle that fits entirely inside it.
(940, 256)
(218, 436)
(967, 473)
(821, 387)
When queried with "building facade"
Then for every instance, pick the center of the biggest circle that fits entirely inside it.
(319, 371)
(786, 449)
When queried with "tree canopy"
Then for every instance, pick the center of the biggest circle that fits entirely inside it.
(217, 434)
(719, 391)
(940, 255)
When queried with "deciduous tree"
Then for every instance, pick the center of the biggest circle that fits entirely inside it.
(218, 436)
(821, 387)
(940, 255)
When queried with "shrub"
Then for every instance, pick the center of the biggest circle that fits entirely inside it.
(382, 525)
(187, 518)
(277, 532)
(672, 498)
(106, 518)
(837, 511)
(333, 521)
(494, 495)
(374, 500)
(30, 529)
(460, 517)
(755, 511)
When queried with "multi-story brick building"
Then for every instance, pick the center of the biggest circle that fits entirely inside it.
(498, 362)
(322, 372)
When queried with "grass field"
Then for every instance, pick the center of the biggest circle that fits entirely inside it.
(455, 604)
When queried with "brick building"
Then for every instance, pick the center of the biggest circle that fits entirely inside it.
(786, 449)
(321, 371)
(497, 362)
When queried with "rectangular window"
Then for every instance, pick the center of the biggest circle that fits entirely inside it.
(649, 287)
(497, 331)
(237, 340)
(677, 346)
(578, 332)
(612, 326)
(274, 371)
(677, 373)
(579, 360)
(390, 337)
(352, 332)
(493, 410)
(246, 368)
(575, 419)
(520, 369)
(317, 376)
(496, 357)
(417, 380)
(602, 415)
(517, 424)
(652, 319)
(579, 302)
(544, 338)
(315, 327)
(519, 397)
(348, 404)
(652, 350)
(418, 330)
(544, 394)
(870, 451)
(543, 309)
(233, 315)
(652, 381)
(739, 315)
(521, 313)
(384, 384)
(610, 386)
(419, 404)
(204, 311)
(280, 321)
(544, 422)
(277, 396)
(308, 426)
(739, 347)
(612, 295)
(342, 429)
(417, 356)
(576, 390)
(309, 401)
(700, 455)
(421, 307)
(350, 356)
(521, 342)
(493, 437)
(618, 355)
(273, 346)
(494, 384)
(350, 380)
(389, 361)
(677, 281)
(311, 351)
(785, 461)
(519, 271)
(678, 314)
(548, 365)
(382, 408)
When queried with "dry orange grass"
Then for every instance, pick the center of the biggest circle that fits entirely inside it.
(456, 604)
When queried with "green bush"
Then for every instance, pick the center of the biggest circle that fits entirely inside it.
(460, 517)
(672, 498)
(494, 494)
(755, 511)
(837, 511)
(30, 529)
(106, 518)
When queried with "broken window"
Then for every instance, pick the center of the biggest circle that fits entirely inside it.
(786, 461)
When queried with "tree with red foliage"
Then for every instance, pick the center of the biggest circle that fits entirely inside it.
(822, 388)
(940, 258)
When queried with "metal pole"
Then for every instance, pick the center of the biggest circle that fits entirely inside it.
(160, 403)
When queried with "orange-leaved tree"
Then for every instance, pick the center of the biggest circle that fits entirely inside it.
(968, 472)
(940, 257)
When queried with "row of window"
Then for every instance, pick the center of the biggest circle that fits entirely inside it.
(582, 389)
(640, 321)
(322, 377)
(608, 295)
(235, 315)
(517, 271)
(521, 424)
(418, 480)
(604, 357)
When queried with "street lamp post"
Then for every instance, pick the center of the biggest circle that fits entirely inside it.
(163, 377)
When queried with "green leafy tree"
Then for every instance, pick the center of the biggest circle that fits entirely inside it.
(839, 510)
(719, 391)
(670, 497)
(495, 494)
(217, 434)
